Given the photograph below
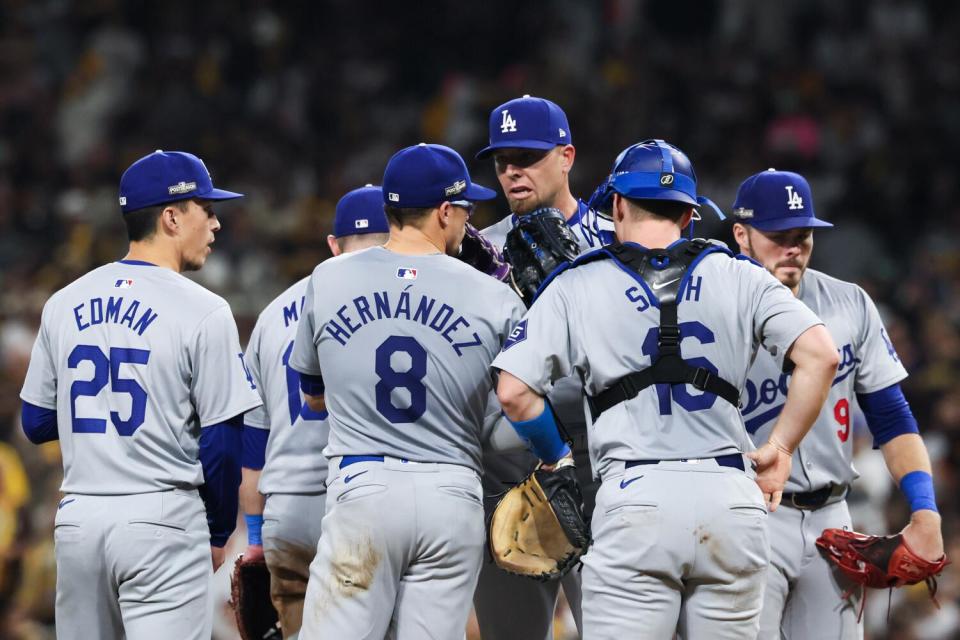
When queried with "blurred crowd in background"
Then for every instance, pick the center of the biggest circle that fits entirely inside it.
(296, 103)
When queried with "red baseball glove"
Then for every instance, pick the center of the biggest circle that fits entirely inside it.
(879, 562)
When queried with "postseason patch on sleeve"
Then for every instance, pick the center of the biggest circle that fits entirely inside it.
(519, 334)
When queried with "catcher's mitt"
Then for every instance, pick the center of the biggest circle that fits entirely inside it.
(538, 529)
(250, 599)
(539, 243)
(879, 561)
(482, 255)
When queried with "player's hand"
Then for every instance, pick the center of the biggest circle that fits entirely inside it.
(565, 461)
(923, 535)
(773, 469)
(216, 556)
(253, 553)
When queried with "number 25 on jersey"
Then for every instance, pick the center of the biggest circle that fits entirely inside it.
(107, 369)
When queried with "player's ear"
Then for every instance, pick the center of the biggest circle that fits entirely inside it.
(334, 247)
(169, 222)
(443, 214)
(686, 218)
(740, 235)
(569, 154)
(617, 208)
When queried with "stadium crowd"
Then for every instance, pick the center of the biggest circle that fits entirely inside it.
(296, 103)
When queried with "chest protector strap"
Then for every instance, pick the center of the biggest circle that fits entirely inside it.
(664, 271)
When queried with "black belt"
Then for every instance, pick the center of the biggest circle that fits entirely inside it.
(733, 460)
(814, 499)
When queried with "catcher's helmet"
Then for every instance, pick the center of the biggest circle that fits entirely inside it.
(650, 170)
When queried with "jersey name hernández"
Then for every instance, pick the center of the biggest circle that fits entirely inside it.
(404, 345)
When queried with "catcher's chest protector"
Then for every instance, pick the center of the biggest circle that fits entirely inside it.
(663, 273)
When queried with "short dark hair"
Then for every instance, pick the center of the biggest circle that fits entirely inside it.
(405, 215)
(669, 209)
(142, 223)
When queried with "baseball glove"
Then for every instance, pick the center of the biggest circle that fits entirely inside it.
(539, 242)
(250, 599)
(879, 562)
(538, 529)
(482, 255)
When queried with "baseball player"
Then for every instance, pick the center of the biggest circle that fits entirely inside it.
(803, 599)
(396, 342)
(533, 154)
(663, 331)
(285, 438)
(138, 372)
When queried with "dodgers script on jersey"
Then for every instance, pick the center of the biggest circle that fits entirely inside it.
(868, 363)
(600, 310)
(131, 357)
(294, 459)
(408, 380)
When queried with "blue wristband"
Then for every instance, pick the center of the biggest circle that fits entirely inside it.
(542, 435)
(918, 487)
(254, 527)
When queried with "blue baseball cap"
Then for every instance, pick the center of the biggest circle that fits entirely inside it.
(359, 212)
(167, 176)
(425, 175)
(776, 201)
(527, 123)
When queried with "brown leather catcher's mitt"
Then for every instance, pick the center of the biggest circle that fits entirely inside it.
(538, 529)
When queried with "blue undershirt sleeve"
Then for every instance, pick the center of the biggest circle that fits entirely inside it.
(311, 385)
(220, 453)
(888, 414)
(254, 447)
(39, 424)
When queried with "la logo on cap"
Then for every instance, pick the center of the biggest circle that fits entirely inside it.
(509, 125)
(794, 201)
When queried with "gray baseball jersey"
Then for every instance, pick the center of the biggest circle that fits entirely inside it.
(598, 322)
(294, 459)
(136, 359)
(701, 524)
(405, 342)
(868, 363)
(295, 469)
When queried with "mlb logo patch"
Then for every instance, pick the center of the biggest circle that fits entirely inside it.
(405, 273)
(361, 224)
(519, 334)
(124, 284)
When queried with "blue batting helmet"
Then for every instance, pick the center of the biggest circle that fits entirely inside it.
(651, 170)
